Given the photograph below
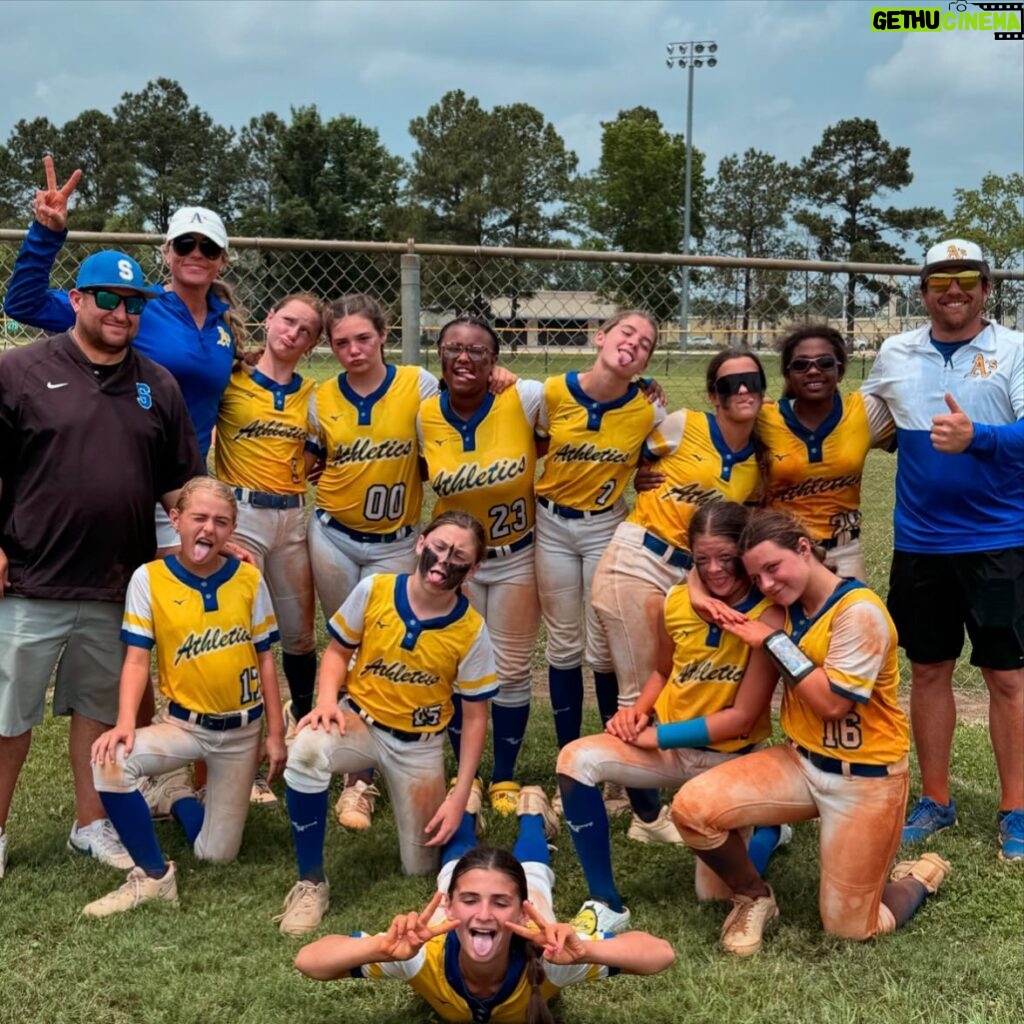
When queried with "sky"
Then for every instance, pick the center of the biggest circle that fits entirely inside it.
(786, 70)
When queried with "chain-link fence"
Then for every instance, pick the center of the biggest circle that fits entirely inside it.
(544, 302)
(547, 304)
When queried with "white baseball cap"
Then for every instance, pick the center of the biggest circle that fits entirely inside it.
(954, 254)
(197, 220)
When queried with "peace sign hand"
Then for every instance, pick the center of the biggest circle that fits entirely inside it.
(51, 203)
(559, 942)
(409, 932)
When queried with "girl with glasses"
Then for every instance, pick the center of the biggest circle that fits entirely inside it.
(818, 440)
(700, 458)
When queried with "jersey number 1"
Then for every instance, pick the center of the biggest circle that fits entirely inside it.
(250, 680)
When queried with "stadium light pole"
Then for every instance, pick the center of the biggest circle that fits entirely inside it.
(697, 53)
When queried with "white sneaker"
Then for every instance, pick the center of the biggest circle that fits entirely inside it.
(101, 841)
(744, 927)
(661, 830)
(785, 837)
(3, 852)
(139, 888)
(304, 907)
(261, 792)
(615, 800)
(163, 791)
(533, 800)
(355, 805)
(595, 918)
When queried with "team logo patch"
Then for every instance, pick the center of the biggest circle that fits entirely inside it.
(223, 338)
(144, 396)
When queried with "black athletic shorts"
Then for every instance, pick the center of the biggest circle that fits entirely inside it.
(932, 598)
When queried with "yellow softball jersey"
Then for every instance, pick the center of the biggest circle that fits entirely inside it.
(434, 973)
(594, 445)
(371, 481)
(207, 631)
(816, 474)
(262, 428)
(406, 669)
(485, 465)
(707, 666)
(854, 640)
(699, 468)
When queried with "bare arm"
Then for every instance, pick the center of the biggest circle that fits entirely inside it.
(474, 733)
(134, 683)
(632, 953)
(277, 753)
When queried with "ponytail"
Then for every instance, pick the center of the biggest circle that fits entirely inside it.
(537, 1010)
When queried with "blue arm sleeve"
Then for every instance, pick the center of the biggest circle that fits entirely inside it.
(29, 298)
(691, 733)
(998, 443)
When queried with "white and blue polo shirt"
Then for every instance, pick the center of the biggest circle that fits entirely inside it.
(973, 501)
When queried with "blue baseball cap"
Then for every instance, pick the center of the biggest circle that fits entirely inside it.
(113, 269)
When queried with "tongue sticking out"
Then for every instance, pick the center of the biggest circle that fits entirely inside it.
(200, 550)
(482, 943)
(625, 358)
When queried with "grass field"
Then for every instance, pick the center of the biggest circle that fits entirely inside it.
(220, 958)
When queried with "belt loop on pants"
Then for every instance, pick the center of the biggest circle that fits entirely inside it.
(668, 553)
(262, 499)
(399, 734)
(565, 512)
(503, 550)
(216, 723)
(364, 538)
(835, 766)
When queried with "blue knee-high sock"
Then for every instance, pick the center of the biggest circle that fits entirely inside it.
(189, 812)
(462, 841)
(509, 726)
(129, 814)
(606, 686)
(455, 728)
(762, 846)
(588, 822)
(300, 671)
(904, 898)
(531, 843)
(308, 815)
(566, 687)
(646, 803)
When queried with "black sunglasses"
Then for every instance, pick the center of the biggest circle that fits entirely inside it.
(821, 362)
(184, 244)
(730, 383)
(109, 301)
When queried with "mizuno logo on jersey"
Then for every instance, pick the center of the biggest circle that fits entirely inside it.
(211, 639)
(471, 476)
(816, 485)
(589, 453)
(399, 672)
(263, 428)
(706, 671)
(365, 450)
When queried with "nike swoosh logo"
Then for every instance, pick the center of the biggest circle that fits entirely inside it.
(302, 828)
(176, 601)
(53, 387)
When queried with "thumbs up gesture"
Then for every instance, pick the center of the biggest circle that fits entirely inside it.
(952, 432)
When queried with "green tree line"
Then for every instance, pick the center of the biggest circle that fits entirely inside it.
(505, 177)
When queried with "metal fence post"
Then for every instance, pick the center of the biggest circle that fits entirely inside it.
(410, 308)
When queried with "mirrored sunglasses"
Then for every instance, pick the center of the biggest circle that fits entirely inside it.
(966, 279)
(823, 363)
(109, 301)
(184, 244)
(730, 384)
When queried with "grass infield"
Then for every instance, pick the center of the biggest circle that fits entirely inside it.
(219, 957)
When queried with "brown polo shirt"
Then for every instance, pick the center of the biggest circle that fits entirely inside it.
(86, 451)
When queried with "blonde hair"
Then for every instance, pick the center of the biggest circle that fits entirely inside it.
(216, 487)
(624, 314)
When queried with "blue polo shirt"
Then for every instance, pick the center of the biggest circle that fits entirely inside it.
(973, 501)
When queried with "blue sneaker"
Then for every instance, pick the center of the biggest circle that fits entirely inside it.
(1011, 834)
(927, 818)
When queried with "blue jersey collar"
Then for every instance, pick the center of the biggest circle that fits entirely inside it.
(596, 409)
(205, 586)
(800, 622)
(483, 1008)
(364, 403)
(413, 625)
(466, 428)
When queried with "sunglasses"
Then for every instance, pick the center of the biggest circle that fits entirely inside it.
(730, 384)
(966, 279)
(109, 301)
(476, 353)
(821, 362)
(184, 244)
